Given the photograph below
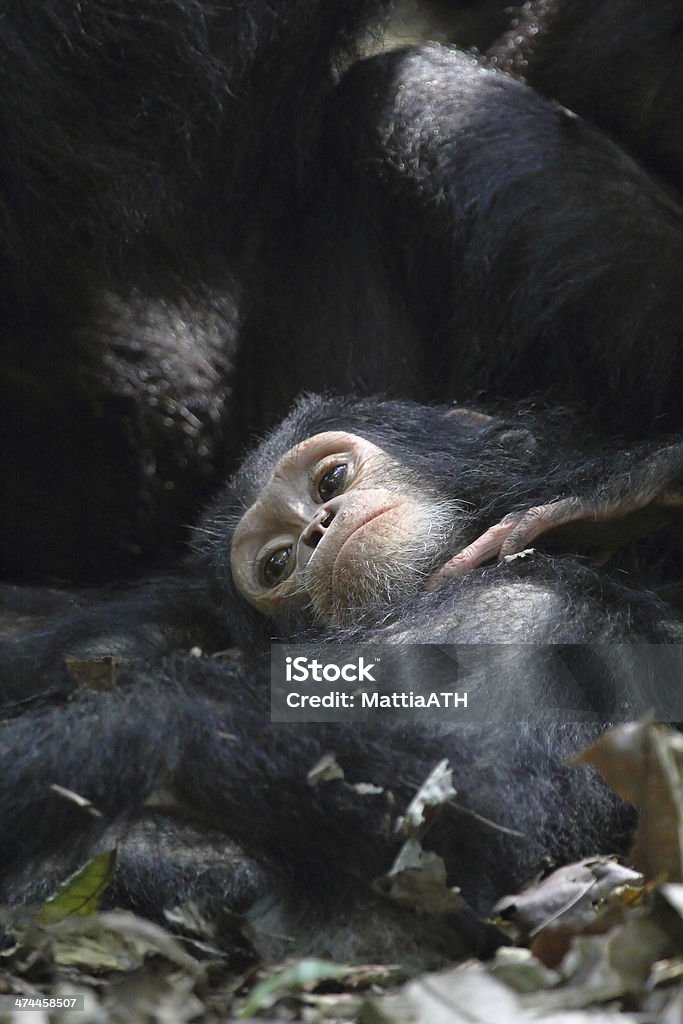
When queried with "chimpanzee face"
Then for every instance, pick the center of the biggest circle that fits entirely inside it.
(340, 527)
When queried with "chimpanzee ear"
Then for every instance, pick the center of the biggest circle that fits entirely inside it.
(510, 436)
(470, 417)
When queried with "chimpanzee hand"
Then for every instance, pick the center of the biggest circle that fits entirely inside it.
(644, 494)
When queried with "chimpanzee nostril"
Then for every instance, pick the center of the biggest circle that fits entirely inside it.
(315, 531)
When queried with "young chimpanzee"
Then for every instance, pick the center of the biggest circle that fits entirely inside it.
(352, 506)
(343, 525)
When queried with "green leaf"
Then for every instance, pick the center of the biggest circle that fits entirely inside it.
(80, 894)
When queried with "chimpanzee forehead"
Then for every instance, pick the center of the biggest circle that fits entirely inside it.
(410, 433)
(313, 448)
(290, 478)
(311, 416)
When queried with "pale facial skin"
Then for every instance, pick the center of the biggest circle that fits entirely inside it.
(335, 529)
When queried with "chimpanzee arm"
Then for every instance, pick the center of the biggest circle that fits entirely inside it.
(499, 190)
(639, 493)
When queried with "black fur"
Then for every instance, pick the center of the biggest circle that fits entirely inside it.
(192, 731)
(199, 217)
(618, 65)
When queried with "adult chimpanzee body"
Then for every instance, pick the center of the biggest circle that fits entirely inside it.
(180, 750)
(198, 219)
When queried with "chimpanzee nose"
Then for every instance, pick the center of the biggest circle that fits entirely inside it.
(315, 531)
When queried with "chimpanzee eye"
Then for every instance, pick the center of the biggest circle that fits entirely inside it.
(277, 567)
(332, 482)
